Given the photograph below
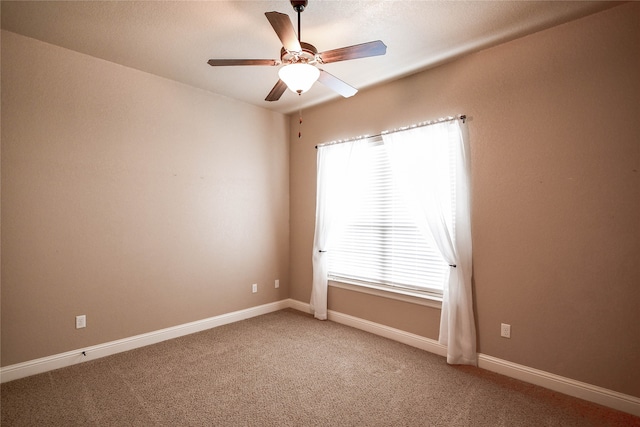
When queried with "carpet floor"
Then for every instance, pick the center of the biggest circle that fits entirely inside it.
(287, 369)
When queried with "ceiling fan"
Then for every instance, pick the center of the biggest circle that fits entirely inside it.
(300, 59)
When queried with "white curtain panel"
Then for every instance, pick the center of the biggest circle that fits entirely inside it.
(423, 161)
(334, 194)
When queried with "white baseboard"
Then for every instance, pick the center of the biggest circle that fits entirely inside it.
(602, 396)
(585, 391)
(404, 337)
(49, 363)
(300, 306)
(599, 395)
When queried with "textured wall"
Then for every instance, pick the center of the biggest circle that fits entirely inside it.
(135, 200)
(554, 123)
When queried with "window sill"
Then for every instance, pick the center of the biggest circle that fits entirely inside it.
(400, 295)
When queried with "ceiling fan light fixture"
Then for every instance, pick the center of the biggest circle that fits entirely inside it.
(299, 77)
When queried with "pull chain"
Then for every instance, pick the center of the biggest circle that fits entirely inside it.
(300, 118)
(300, 123)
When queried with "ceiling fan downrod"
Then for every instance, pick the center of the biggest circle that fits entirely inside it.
(298, 6)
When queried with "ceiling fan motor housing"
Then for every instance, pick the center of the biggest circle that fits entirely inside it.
(307, 55)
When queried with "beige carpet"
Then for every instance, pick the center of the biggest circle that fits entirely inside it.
(287, 369)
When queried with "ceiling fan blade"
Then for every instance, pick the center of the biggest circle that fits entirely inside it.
(336, 84)
(228, 62)
(277, 91)
(363, 50)
(284, 29)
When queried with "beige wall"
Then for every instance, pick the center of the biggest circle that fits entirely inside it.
(135, 200)
(554, 123)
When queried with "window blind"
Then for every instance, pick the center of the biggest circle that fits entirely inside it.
(378, 242)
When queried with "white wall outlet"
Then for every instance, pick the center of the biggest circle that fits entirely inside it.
(505, 330)
(81, 321)
(277, 283)
(254, 288)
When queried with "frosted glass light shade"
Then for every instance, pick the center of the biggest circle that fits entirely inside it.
(299, 77)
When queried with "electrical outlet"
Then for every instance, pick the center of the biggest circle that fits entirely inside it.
(81, 321)
(505, 330)
(254, 288)
(277, 283)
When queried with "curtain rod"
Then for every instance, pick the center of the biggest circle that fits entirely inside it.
(417, 125)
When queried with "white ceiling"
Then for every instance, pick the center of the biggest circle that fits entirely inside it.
(174, 39)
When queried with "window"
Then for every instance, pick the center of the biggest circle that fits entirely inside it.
(376, 242)
(374, 206)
